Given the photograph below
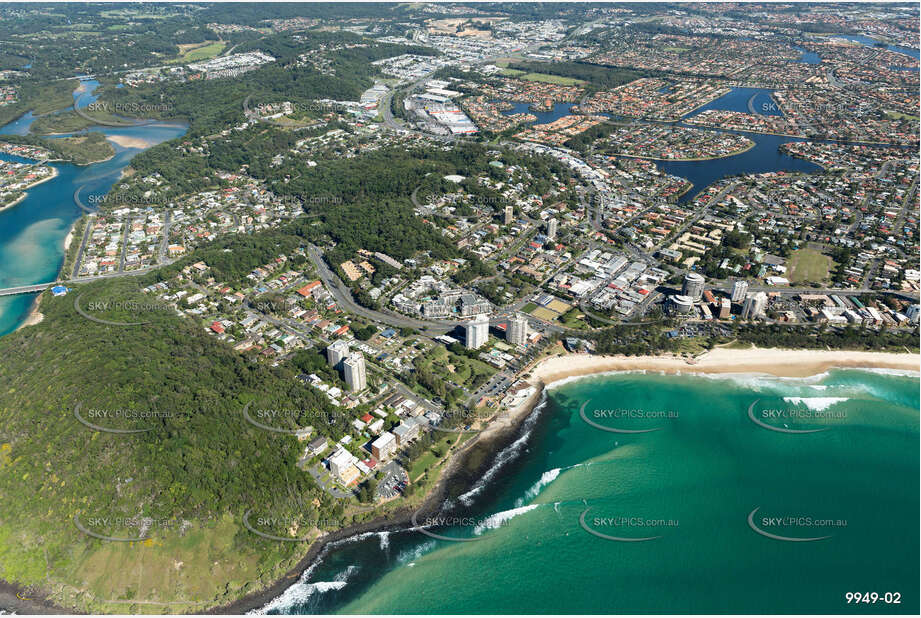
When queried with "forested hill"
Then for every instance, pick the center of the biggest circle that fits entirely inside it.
(183, 483)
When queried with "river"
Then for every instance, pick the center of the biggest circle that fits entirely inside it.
(32, 233)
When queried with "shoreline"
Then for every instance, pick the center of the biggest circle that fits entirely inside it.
(25, 192)
(506, 424)
(548, 371)
(776, 362)
(35, 316)
(493, 438)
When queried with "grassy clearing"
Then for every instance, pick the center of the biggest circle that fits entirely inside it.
(808, 265)
(894, 115)
(198, 51)
(551, 79)
(454, 368)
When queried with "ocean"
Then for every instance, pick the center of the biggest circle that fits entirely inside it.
(732, 494)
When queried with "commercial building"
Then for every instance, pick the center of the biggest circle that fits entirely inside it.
(384, 447)
(354, 372)
(517, 332)
(477, 331)
(739, 291)
(337, 352)
(693, 286)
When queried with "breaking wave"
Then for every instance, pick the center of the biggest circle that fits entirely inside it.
(494, 521)
(817, 404)
(509, 453)
(301, 592)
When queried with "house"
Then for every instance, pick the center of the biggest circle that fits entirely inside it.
(307, 289)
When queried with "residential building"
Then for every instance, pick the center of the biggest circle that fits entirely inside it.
(342, 465)
(354, 372)
(517, 332)
(739, 291)
(337, 352)
(552, 227)
(384, 446)
(317, 447)
(477, 332)
(725, 309)
(406, 431)
(681, 304)
(754, 306)
(693, 286)
(509, 214)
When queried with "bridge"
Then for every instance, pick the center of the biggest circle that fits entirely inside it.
(41, 287)
(27, 289)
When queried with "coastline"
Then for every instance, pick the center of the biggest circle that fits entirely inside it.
(35, 316)
(25, 192)
(504, 426)
(458, 474)
(771, 361)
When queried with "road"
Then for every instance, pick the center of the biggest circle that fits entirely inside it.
(124, 252)
(40, 287)
(164, 244)
(343, 296)
(86, 236)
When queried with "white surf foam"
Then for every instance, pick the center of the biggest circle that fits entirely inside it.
(545, 479)
(494, 521)
(300, 593)
(817, 404)
(409, 556)
(506, 455)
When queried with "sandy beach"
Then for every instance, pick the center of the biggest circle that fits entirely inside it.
(68, 239)
(771, 361)
(129, 142)
(503, 428)
(35, 316)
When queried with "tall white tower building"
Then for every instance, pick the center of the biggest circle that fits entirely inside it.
(739, 291)
(754, 306)
(477, 332)
(517, 333)
(336, 353)
(693, 286)
(354, 373)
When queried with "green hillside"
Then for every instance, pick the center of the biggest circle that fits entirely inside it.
(181, 482)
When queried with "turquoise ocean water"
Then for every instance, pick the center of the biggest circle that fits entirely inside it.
(690, 486)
